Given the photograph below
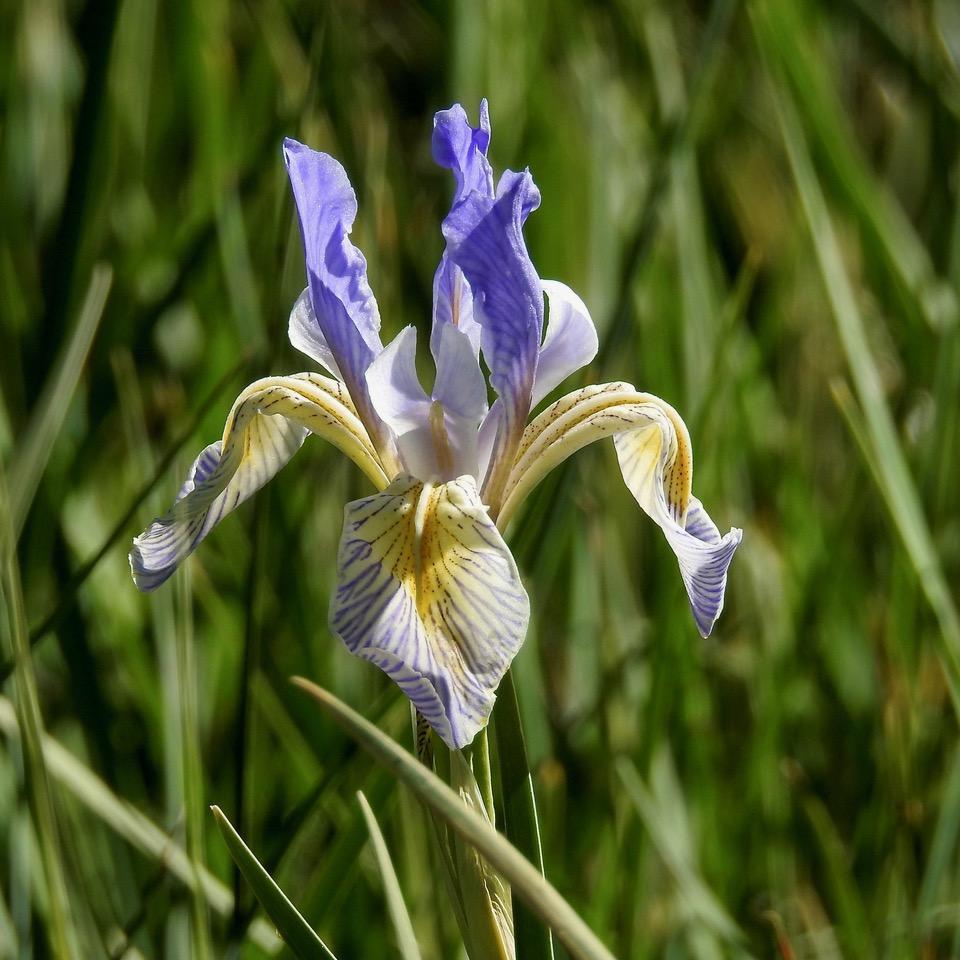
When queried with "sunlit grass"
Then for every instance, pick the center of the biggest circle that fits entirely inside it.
(758, 202)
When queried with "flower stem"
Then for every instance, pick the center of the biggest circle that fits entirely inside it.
(481, 770)
(533, 939)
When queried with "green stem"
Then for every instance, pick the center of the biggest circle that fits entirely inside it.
(480, 754)
(533, 939)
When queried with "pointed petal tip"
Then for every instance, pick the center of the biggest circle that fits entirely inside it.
(290, 148)
(706, 601)
(147, 577)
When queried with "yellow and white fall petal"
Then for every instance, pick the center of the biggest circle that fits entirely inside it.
(656, 461)
(428, 590)
(266, 426)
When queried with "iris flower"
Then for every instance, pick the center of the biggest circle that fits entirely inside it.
(427, 588)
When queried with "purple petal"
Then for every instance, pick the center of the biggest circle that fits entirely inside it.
(656, 475)
(485, 239)
(704, 557)
(463, 149)
(571, 340)
(343, 303)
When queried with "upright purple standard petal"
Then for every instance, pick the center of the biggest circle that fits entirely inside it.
(463, 149)
(344, 307)
(485, 239)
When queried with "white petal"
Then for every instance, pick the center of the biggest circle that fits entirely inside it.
(570, 342)
(307, 337)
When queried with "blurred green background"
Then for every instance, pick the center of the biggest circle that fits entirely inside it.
(759, 203)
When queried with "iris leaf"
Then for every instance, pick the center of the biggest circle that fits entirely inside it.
(130, 824)
(524, 877)
(296, 932)
(406, 940)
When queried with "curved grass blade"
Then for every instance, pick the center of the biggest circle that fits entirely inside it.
(33, 452)
(13, 636)
(138, 830)
(77, 580)
(897, 485)
(527, 882)
(406, 940)
(296, 932)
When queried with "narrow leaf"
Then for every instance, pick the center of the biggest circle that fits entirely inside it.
(897, 484)
(296, 932)
(13, 638)
(533, 940)
(406, 941)
(32, 453)
(138, 830)
(523, 876)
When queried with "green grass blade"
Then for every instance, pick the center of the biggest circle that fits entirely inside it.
(527, 882)
(34, 450)
(855, 929)
(13, 635)
(897, 485)
(406, 940)
(944, 843)
(190, 739)
(662, 812)
(159, 473)
(296, 932)
(136, 828)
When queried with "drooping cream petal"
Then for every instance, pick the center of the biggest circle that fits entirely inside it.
(429, 592)
(656, 461)
(267, 425)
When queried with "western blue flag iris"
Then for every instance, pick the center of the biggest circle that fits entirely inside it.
(427, 588)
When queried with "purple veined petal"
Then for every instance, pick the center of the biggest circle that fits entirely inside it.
(485, 239)
(306, 336)
(702, 554)
(704, 557)
(571, 339)
(463, 149)
(266, 427)
(656, 462)
(343, 304)
(429, 592)
(452, 305)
